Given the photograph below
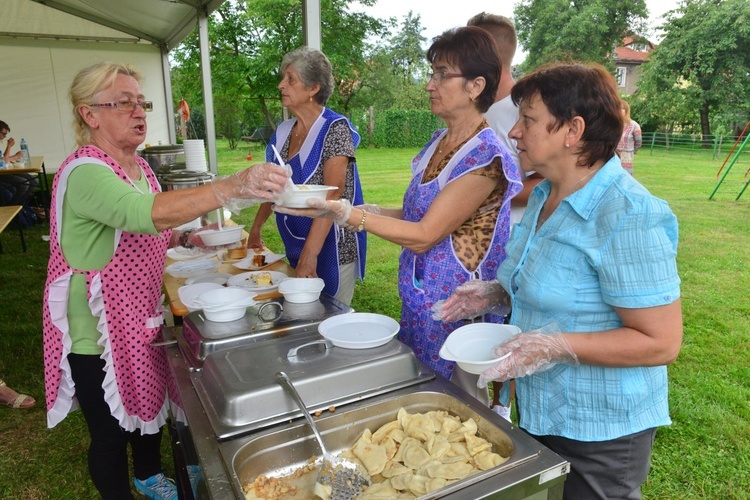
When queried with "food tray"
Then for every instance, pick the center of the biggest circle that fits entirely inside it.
(239, 393)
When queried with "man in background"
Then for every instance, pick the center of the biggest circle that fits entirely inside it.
(15, 189)
(503, 114)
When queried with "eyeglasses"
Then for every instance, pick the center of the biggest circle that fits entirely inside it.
(4, 132)
(441, 76)
(128, 106)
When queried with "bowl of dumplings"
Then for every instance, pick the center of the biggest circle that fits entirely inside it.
(472, 346)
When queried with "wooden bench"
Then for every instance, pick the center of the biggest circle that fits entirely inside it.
(7, 214)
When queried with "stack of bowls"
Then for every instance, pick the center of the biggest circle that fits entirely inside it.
(195, 155)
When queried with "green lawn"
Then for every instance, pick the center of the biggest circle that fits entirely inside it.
(705, 453)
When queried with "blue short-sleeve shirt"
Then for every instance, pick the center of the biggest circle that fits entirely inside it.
(609, 244)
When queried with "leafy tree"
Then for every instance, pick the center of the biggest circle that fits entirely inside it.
(249, 39)
(702, 66)
(581, 30)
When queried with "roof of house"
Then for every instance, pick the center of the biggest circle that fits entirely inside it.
(627, 54)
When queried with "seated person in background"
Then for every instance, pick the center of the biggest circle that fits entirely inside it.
(4, 131)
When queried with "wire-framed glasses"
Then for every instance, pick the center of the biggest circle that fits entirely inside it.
(440, 76)
(125, 105)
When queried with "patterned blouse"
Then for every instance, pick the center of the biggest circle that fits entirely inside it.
(477, 231)
(338, 143)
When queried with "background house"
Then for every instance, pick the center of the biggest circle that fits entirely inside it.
(628, 59)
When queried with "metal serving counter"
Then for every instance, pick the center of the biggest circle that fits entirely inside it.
(220, 466)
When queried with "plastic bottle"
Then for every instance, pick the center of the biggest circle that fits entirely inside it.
(25, 151)
(3, 165)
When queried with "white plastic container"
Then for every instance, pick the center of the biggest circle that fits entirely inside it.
(297, 198)
(301, 290)
(224, 236)
(473, 346)
(225, 304)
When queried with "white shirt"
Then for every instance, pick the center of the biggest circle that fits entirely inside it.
(501, 117)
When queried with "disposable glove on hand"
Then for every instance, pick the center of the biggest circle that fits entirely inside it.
(530, 352)
(473, 298)
(254, 185)
(338, 210)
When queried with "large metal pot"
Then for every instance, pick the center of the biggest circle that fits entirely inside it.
(160, 156)
(182, 179)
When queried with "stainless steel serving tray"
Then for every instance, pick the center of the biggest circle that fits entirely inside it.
(199, 337)
(281, 450)
(239, 394)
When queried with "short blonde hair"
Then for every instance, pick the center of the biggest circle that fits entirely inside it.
(89, 82)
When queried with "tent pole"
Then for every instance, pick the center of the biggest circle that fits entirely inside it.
(168, 94)
(208, 100)
(311, 24)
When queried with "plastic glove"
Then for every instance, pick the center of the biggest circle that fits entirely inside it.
(254, 185)
(366, 207)
(473, 298)
(338, 210)
(530, 352)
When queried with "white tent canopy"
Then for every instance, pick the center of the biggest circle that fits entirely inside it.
(46, 42)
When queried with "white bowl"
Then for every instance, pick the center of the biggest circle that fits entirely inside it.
(359, 330)
(225, 304)
(224, 236)
(297, 198)
(473, 346)
(301, 290)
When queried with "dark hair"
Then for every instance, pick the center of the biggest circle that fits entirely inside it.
(585, 90)
(4, 126)
(473, 51)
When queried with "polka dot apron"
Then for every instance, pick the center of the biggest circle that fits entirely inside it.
(126, 297)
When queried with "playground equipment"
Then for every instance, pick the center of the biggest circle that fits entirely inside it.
(734, 154)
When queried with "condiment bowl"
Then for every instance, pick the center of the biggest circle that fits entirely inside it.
(301, 290)
(225, 304)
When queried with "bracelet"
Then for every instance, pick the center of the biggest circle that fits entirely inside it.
(361, 226)
(183, 240)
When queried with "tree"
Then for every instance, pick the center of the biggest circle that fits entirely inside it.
(248, 41)
(581, 30)
(702, 62)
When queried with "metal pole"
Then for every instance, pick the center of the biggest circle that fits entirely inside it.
(311, 24)
(208, 100)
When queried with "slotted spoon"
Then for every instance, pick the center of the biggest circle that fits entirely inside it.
(345, 478)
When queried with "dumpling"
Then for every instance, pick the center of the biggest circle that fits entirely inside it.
(372, 456)
(460, 450)
(419, 485)
(382, 433)
(438, 446)
(450, 424)
(413, 455)
(471, 426)
(393, 468)
(419, 427)
(475, 444)
(380, 491)
(486, 460)
(456, 470)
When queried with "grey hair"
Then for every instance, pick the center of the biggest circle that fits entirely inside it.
(314, 68)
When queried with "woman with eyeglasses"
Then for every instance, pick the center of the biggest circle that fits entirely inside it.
(454, 221)
(319, 145)
(110, 227)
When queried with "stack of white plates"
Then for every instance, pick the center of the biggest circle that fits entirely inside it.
(195, 155)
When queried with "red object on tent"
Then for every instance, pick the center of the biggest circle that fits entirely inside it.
(184, 110)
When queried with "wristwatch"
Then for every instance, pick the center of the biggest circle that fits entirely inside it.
(361, 226)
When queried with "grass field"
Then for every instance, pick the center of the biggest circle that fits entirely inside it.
(705, 453)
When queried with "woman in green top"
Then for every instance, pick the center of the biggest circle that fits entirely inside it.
(110, 227)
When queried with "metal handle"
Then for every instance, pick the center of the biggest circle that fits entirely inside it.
(294, 351)
(275, 316)
(283, 380)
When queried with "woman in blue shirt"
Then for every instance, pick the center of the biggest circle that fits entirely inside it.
(592, 279)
